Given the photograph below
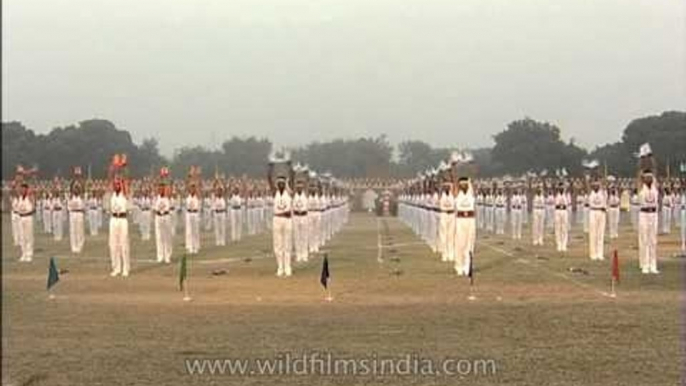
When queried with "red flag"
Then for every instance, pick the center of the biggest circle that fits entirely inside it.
(615, 266)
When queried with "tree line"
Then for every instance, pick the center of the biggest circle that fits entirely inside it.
(525, 145)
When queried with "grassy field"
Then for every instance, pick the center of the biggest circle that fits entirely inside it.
(538, 322)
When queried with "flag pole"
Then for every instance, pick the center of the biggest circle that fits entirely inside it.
(471, 296)
(328, 298)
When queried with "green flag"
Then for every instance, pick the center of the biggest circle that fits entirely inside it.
(183, 272)
(53, 274)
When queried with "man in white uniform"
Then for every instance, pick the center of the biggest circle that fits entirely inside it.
(597, 206)
(163, 225)
(77, 207)
(465, 226)
(282, 228)
(561, 221)
(119, 231)
(193, 220)
(538, 222)
(647, 224)
(236, 217)
(446, 234)
(25, 210)
(219, 213)
(300, 228)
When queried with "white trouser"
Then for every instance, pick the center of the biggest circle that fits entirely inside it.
(163, 238)
(220, 228)
(76, 231)
(538, 226)
(57, 224)
(516, 220)
(93, 222)
(236, 224)
(145, 220)
(119, 245)
(666, 219)
(313, 238)
(16, 229)
(613, 219)
(500, 214)
(586, 219)
(647, 241)
(446, 236)
(207, 219)
(47, 220)
(465, 234)
(561, 231)
(192, 232)
(300, 230)
(26, 237)
(683, 230)
(596, 234)
(281, 238)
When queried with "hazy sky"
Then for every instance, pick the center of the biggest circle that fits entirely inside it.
(451, 72)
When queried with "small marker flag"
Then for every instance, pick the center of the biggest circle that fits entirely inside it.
(470, 273)
(53, 273)
(615, 266)
(324, 278)
(183, 272)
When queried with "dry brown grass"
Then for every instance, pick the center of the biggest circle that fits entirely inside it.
(541, 324)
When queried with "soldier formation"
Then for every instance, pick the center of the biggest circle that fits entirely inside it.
(446, 206)
(303, 220)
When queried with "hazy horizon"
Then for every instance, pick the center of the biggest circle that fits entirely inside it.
(448, 73)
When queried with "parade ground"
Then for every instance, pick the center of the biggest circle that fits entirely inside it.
(535, 317)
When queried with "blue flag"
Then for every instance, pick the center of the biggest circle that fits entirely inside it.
(53, 274)
(324, 278)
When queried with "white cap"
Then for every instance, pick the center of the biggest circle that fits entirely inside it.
(645, 150)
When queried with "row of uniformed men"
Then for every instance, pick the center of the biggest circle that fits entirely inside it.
(432, 216)
(315, 218)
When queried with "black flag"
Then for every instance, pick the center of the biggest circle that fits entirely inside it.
(324, 279)
(470, 273)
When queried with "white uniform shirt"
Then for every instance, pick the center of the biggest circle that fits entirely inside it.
(24, 206)
(162, 205)
(300, 202)
(192, 204)
(647, 197)
(282, 203)
(118, 203)
(597, 200)
(465, 202)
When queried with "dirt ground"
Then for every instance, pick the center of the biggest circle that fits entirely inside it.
(537, 321)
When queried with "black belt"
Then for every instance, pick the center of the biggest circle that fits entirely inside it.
(119, 215)
(285, 215)
(191, 210)
(614, 206)
(236, 207)
(145, 209)
(600, 209)
(161, 213)
(465, 213)
(57, 209)
(561, 207)
(649, 210)
(449, 211)
(77, 211)
(219, 210)
(94, 208)
(299, 213)
(517, 207)
(25, 214)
